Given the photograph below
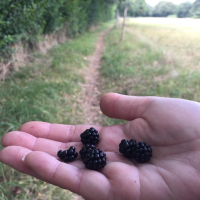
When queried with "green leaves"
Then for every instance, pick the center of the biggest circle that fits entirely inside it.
(26, 20)
(135, 8)
(195, 11)
(163, 9)
(184, 9)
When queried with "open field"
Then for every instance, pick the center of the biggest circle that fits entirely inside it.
(158, 57)
(171, 22)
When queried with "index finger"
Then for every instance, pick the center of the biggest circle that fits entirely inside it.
(57, 132)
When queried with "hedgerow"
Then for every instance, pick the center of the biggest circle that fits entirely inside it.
(26, 21)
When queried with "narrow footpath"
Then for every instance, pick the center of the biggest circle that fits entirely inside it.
(91, 89)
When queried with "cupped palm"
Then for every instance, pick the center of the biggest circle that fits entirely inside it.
(170, 126)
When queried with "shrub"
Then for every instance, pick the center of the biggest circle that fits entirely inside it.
(26, 20)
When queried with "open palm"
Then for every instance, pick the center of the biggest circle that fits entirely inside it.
(170, 126)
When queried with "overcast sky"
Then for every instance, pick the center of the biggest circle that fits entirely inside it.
(154, 2)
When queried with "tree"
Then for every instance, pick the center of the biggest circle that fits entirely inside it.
(184, 9)
(163, 9)
(149, 11)
(117, 18)
(124, 23)
(195, 11)
(134, 7)
(137, 9)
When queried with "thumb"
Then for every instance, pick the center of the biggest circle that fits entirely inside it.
(124, 107)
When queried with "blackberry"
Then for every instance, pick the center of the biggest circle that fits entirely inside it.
(128, 148)
(67, 155)
(93, 158)
(141, 152)
(90, 136)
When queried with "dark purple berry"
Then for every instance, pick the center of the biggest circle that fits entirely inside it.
(128, 148)
(68, 155)
(93, 159)
(141, 152)
(90, 136)
(59, 154)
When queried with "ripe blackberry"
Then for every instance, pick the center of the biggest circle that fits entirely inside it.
(128, 148)
(141, 152)
(67, 155)
(90, 136)
(93, 159)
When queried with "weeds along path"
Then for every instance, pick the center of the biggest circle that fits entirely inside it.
(91, 89)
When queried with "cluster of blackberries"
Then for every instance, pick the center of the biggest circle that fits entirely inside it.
(141, 152)
(96, 159)
(68, 155)
(92, 158)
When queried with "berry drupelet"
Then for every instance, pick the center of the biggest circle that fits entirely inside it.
(67, 155)
(141, 152)
(90, 136)
(93, 158)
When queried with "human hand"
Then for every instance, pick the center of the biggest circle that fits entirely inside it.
(170, 126)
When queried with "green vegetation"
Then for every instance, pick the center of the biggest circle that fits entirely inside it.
(26, 21)
(153, 60)
(164, 9)
(47, 89)
(135, 8)
(195, 11)
(184, 10)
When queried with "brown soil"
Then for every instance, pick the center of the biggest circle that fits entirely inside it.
(91, 89)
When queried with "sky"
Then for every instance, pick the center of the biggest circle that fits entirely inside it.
(154, 2)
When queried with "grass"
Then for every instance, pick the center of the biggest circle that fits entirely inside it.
(48, 89)
(171, 16)
(156, 58)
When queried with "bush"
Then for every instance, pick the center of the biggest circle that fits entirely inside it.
(26, 20)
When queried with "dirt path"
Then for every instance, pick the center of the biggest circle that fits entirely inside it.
(91, 89)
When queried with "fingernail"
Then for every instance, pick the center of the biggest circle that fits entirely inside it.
(23, 158)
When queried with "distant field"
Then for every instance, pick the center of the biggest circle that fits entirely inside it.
(158, 57)
(177, 22)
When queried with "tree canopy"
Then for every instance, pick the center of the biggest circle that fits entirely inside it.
(164, 9)
(184, 10)
(195, 11)
(149, 11)
(135, 7)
